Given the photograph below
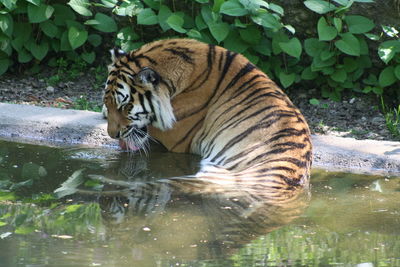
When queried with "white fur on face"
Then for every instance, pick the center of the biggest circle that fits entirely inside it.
(164, 111)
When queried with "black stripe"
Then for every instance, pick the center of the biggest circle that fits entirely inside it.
(171, 88)
(291, 144)
(141, 100)
(181, 54)
(228, 62)
(261, 125)
(206, 72)
(153, 48)
(232, 121)
(187, 134)
(152, 61)
(243, 71)
(125, 64)
(287, 132)
(148, 97)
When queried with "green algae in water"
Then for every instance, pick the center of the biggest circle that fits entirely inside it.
(351, 219)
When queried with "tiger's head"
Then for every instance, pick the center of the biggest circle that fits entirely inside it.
(134, 99)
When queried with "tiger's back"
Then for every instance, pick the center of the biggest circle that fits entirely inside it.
(221, 107)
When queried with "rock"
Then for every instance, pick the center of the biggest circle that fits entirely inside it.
(50, 89)
(35, 84)
(378, 120)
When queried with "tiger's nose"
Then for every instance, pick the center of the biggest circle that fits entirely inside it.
(114, 134)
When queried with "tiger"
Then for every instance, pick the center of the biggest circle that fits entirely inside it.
(200, 98)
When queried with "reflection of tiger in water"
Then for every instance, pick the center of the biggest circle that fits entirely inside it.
(201, 98)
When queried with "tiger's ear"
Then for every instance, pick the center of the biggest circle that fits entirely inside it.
(147, 75)
(116, 53)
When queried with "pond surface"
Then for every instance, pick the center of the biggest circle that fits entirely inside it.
(117, 212)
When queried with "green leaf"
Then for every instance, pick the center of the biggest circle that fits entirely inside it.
(200, 24)
(234, 43)
(338, 23)
(195, 34)
(9, 4)
(24, 56)
(49, 28)
(175, 22)
(387, 77)
(390, 31)
(319, 6)
(251, 57)
(264, 47)
(397, 72)
(4, 64)
(372, 36)
(81, 7)
(6, 24)
(127, 34)
(62, 14)
(292, 48)
(314, 101)
(387, 50)
(217, 5)
(147, 17)
(348, 44)
(251, 34)
(163, 14)
(267, 20)
(367, 89)
(371, 80)
(339, 75)
(109, 3)
(350, 64)
(154, 4)
(325, 32)
(359, 24)
(319, 64)
(276, 8)
(313, 46)
(279, 37)
(364, 49)
(233, 8)
(2, 223)
(219, 30)
(326, 54)
(103, 23)
(94, 39)
(377, 90)
(76, 37)
(37, 14)
(286, 79)
(307, 74)
(39, 51)
(64, 42)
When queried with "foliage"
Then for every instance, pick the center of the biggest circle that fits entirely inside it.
(339, 58)
(84, 104)
(392, 117)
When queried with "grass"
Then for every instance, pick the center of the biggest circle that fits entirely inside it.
(392, 117)
(84, 104)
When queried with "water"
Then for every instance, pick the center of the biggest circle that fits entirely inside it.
(351, 220)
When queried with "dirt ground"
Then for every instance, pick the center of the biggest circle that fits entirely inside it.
(353, 117)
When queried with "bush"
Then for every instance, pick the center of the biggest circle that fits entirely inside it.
(336, 60)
